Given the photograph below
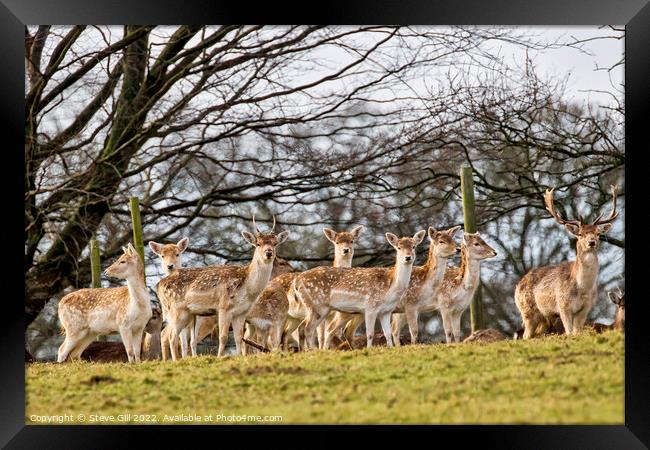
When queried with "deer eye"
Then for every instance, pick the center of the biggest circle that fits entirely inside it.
(176, 255)
(122, 262)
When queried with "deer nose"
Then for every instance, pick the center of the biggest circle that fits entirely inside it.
(346, 251)
(592, 243)
(457, 250)
(408, 258)
(269, 254)
(170, 266)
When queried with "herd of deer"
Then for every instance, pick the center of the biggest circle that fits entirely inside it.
(275, 301)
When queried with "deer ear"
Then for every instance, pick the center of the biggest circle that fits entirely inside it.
(453, 230)
(330, 234)
(125, 250)
(573, 229)
(418, 237)
(155, 247)
(356, 232)
(182, 244)
(392, 239)
(249, 238)
(282, 237)
(431, 232)
(605, 228)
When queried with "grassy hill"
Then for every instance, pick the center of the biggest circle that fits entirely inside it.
(558, 379)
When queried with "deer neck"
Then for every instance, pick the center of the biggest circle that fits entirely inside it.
(138, 294)
(619, 319)
(400, 276)
(585, 269)
(470, 270)
(434, 270)
(342, 261)
(258, 274)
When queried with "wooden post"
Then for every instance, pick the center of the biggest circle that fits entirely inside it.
(95, 268)
(469, 215)
(137, 227)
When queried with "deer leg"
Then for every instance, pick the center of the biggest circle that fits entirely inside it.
(384, 320)
(238, 332)
(276, 336)
(314, 318)
(291, 326)
(455, 325)
(371, 318)
(81, 346)
(567, 320)
(262, 337)
(579, 320)
(320, 329)
(225, 318)
(165, 343)
(351, 327)
(412, 318)
(184, 341)
(127, 340)
(193, 335)
(334, 328)
(396, 327)
(446, 324)
(249, 332)
(137, 344)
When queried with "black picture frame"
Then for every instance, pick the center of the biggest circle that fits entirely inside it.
(634, 14)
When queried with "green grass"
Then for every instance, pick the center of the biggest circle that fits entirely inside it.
(560, 379)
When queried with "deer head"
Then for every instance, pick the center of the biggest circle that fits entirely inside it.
(343, 241)
(265, 243)
(405, 246)
(588, 234)
(442, 242)
(129, 265)
(170, 254)
(476, 247)
(617, 297)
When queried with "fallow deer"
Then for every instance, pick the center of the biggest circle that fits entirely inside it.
(618, 298)
(88, 313)
(269, 314)
(371, 291)
(422, 295)
(170, 259)
(459, 283)
(226, 290)
(569, 289)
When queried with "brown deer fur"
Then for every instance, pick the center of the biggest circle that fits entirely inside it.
(569, 289)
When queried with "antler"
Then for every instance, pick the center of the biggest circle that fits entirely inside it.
(258, 230)
(613, 215)
(255, 225)
(550, 207)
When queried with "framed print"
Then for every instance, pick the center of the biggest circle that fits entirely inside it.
(390, 215)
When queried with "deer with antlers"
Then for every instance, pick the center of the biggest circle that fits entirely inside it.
(371, 291)
(228, 291)
(569, 289)
(422, 293)
(270, 313)
(88, 313)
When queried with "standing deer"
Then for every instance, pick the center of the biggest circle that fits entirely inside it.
(569, 289)
(459, 283)
(171, 259)
(228, 291)
(269, 314)
(422, 293)
(372, 291)
(618, 298)
(88, 313)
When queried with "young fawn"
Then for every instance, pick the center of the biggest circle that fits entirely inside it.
(422, 293)
(270, 312)
(459, 283)
(618, 298)
(88, 313)
(569, 289)
(170, 259)
(371, 291)
(228, 291)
